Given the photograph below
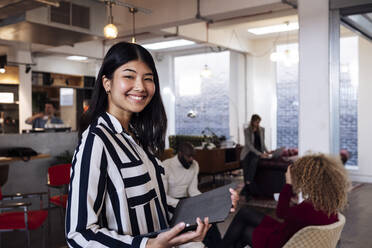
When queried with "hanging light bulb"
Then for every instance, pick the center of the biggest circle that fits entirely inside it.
(110, 31)
(206, 72)
(287, 58)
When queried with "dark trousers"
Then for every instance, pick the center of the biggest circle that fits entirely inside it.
(213, 237)
(240, 232)
(250, 163)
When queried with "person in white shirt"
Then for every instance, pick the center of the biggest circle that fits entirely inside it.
(181, 181)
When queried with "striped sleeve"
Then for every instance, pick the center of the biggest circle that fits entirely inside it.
(87, 190)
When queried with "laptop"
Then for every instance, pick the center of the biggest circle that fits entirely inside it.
(215, 204)
(277, 153)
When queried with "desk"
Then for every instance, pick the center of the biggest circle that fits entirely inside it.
(218, 160)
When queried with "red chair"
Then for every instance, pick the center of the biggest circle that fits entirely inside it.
(59, 178)
(13, 218)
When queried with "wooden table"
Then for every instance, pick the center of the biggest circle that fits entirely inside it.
(218, 160)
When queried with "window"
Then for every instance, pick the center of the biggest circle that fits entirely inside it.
(287, 97)
(202, 102)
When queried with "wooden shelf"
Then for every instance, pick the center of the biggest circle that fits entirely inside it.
(57, 80)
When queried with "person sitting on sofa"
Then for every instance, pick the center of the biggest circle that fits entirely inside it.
(253, 150)
(324, 184)
(181, 181)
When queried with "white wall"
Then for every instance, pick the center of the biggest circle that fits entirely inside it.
(364, 171)
(237, 96)
(24, 90)
(261, 89)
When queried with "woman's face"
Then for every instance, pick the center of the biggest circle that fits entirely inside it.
(131, 88)
(256, 123)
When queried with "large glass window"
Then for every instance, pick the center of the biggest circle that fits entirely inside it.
(287, 97)
(202, 100)
(348, 97)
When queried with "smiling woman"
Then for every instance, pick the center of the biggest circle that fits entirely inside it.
(130, 90)
(116, 193)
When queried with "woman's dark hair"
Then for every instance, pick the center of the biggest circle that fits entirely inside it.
(150, 124)
(254, 118)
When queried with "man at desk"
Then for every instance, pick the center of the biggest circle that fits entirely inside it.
(43, 119)
(181, 181)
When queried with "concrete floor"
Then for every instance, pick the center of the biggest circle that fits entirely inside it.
(356, 233)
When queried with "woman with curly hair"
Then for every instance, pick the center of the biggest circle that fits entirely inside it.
(323, 182)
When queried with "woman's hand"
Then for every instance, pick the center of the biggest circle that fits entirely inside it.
(288, 178)
(234, 199)
(264, 155)
(172, 237)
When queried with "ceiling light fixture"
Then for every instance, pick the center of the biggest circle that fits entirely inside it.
(3, 63)
(77, 58)
(288, 26)
(168, 44)
(110, 31)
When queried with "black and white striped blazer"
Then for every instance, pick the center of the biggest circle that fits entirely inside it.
(116, 193)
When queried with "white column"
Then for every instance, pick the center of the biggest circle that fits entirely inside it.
(314, 96)
(24, 90)
(165, 68)
(237, 96)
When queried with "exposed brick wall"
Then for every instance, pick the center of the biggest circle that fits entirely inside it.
(212, 104)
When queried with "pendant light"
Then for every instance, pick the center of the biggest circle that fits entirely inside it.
(110, 31)
(288, 56)
(133, 11)
(206, 72)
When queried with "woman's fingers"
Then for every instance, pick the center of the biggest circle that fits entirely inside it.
(206, 227)
(168, 235)
(234, 199)
(192, 236)
(288, 178)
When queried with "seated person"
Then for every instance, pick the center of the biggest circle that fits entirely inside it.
(253, 150)
(44, 119)
(181, 181)
(322, 181)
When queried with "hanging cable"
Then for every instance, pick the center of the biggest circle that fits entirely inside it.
(133, 11)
